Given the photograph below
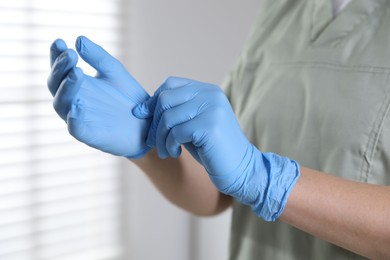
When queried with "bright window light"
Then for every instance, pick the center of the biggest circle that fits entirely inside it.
(59, 199)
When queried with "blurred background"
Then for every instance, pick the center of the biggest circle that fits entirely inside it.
(60, 199)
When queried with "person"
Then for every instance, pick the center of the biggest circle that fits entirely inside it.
(307, 86)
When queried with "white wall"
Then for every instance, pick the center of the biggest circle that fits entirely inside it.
(195, 39)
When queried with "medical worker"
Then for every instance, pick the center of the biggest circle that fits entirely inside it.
(298, 143)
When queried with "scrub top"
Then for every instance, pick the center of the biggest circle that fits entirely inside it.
(314, 88)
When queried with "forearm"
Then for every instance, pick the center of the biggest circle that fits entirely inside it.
(184, 182)
(352, 215)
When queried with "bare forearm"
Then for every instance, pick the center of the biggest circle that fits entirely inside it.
(184, 182)
(349, 214)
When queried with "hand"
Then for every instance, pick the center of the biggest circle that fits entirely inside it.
(98, 109)
(199, 116)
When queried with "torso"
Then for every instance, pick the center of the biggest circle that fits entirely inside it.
(318, 92)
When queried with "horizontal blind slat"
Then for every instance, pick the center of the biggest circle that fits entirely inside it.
(87, 241)
(57, 189)
(98, 253)
(86, 244)
(43, 229)
(23, 214)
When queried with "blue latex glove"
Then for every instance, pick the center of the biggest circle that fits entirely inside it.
(98, 110)
(199, 116)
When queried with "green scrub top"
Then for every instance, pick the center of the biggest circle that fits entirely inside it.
(315, 89)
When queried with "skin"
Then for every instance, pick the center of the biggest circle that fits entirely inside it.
(184, 182)
(350, 214)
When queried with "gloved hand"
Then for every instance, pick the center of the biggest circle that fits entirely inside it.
(199, 116)
(98, 110)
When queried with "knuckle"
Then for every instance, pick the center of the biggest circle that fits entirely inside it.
(164, 100)
(76, 122)
(71, 56)
(221, 105)
(174, 133)
(219, 95)
(56, 105)
(170, 81)
(166, 123)
(50, 84)
(60, 107)
(76, 130)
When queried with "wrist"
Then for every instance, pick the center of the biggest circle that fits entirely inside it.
(262, 181)
(230, 182)
(282, 174)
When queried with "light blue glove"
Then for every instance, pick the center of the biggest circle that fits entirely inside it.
(199, 116)
(98, 110)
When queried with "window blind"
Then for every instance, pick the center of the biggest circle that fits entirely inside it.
(59, 199)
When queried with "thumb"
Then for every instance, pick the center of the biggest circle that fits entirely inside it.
(145, 109)
(97, 57)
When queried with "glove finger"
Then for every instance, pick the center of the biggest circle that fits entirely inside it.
(166, 100)
(97, 57)
(183, 134)
(67, 92)
(56, 48)
(170, 119)
(111, 69)
(61, 67)
(174, 82)
(146, 109)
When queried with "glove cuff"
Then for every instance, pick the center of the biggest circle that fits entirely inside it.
(265, 181)
(283, 174)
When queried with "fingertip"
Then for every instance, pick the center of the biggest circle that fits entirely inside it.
(65, 60)
(151, 138)
(97, 56)
(56, 48)
(68, 58)
(58, 45)
(150, 142)
(142, 111)
(162, 155)
(173, 147)
(80, 43)
(136, 112)
(175, 152)
(85, 46)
